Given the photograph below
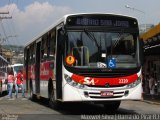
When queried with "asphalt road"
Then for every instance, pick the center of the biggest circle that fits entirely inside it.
(25, 109)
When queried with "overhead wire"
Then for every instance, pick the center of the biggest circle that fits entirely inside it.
(4, 37)
(4, 32)
(8, 9)
(11, 26)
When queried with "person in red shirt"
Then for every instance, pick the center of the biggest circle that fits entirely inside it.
(19, 83)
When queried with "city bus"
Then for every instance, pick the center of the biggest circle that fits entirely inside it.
(3, 74)
(86, 57)
(16, 68)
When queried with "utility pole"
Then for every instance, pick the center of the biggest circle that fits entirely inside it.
(1, 18)
(4, 12)
(5, 17)
(140, 11)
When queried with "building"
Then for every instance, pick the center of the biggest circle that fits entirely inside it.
(145, 27)
(151, 40)
(13, 54)
(6, 53)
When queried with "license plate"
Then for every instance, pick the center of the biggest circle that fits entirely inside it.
(106, 93)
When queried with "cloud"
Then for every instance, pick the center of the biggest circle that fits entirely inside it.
(34, 18)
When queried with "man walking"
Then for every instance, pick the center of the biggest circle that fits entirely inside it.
(19, 83)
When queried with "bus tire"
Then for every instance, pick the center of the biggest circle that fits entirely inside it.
(1, 88)
(31, 95)
(54, 103)
(50, 87)
(112, 106)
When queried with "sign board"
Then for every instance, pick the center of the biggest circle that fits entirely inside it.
(111, 63)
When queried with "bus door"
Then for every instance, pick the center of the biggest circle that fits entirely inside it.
(37, 67)
(26, 61)
(59, 64)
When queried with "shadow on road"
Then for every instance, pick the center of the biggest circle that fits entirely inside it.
(75, 108)
(3, 94)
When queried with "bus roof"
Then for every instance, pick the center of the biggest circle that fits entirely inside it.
(63, 19)
(17, 64)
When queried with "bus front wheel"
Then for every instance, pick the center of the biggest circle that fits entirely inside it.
(112, 106)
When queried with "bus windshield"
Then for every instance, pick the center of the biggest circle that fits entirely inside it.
(103, 49)
(18, 68)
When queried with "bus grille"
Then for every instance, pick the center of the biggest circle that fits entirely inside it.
(97, 95)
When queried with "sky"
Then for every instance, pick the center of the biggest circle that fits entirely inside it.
(31, 17)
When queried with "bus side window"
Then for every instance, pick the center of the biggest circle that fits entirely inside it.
(32, 53)
(52, 45)
(45, 47)
(42, 48)
(48, 44)
(29, 57)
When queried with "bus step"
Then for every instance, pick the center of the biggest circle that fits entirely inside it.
(60, 100)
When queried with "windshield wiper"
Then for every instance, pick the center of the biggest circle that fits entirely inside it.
(92, 37)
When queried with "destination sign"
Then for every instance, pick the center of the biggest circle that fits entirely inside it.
(99, 22)
(109, 21)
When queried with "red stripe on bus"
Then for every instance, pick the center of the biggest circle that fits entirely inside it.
(104, 81)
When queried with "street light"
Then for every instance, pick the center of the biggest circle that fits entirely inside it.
(132, 8)
(135, 9)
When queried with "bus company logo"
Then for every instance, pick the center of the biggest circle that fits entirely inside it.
(89, 81)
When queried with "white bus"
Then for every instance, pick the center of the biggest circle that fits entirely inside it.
(3, 74)
(86, 58)
(16, 68)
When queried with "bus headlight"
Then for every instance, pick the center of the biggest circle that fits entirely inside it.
(73, 83)
(134, 84)
(68, 79)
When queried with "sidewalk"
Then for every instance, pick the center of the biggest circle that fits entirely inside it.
(147, 98)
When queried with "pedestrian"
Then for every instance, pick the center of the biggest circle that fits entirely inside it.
(10, 83)
(19, 84)
(151, 85)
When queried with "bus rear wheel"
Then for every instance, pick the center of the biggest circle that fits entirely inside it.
(31, 95)
(54, 103)
(1, 91)
(112, 106)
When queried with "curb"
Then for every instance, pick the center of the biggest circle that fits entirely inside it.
(150, 102)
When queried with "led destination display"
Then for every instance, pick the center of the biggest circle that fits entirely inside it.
(108, 21)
